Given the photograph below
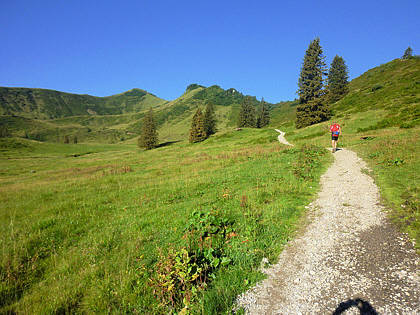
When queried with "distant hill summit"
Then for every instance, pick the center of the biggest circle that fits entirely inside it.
(51, 104)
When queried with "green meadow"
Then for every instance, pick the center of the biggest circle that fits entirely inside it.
(85, 227)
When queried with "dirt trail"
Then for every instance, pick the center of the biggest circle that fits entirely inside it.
(281, 137)
(348, 257)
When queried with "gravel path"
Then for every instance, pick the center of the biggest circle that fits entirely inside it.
(281, 137)
(348, 258)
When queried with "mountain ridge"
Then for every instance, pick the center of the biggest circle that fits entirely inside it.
(33, 113)
(50, 104)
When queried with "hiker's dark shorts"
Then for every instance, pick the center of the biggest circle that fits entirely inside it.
(334, 137)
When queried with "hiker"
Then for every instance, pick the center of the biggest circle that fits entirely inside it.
(335, 132)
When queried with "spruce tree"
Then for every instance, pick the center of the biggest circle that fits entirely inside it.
(311, 80)
(337, 80)
(246, 116)
(312, 106)
(408, 53)
(197, 132)
(263, 116)
(148, 138)
(209, 120)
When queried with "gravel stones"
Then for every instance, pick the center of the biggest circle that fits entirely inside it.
(349, 257)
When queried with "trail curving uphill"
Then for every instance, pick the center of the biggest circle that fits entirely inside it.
(348, 257)
(281, 137)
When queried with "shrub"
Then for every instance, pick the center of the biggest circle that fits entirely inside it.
(376, 87)
(308, 159)
(182, 273)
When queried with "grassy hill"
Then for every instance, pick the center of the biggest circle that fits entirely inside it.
(392, 90)
(46, 115)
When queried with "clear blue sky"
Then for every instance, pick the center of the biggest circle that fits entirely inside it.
(107, 47)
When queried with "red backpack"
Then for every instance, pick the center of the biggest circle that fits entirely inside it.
(335, 129)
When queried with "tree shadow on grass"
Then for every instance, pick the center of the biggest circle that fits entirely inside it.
(165, 144)
(364, 307)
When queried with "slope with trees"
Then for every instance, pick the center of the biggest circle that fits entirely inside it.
(111, 119)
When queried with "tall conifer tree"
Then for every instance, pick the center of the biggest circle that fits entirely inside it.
(312, 106)
(197, 132)
(148, 138)
(311, 80)
(209, 120)
(247, 115)
(337, 79)
(263, 116)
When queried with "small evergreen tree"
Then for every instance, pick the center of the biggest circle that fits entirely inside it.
(149, 137)
(209, 120)
(312, 107)
(408, 53)
(263, 116)
(246, 116)
(197, 132)
(337, 80)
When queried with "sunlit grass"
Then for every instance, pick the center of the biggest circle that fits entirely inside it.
(82, 225)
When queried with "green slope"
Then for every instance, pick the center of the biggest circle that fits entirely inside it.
(392, 89)
(49, 104)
